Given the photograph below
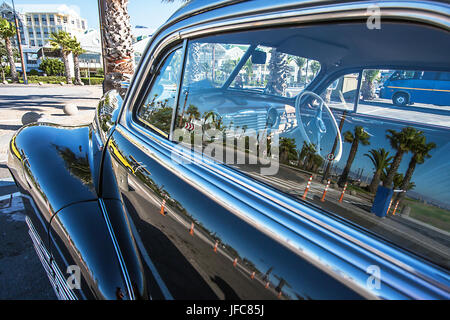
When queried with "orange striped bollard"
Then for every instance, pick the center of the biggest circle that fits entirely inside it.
(395, 208)
(307, 188)
(389, 207)
(235, 262)
(163, 204)
(253, 275)
(325, 191)
(191, 231)
(215, 246)
(342, 194)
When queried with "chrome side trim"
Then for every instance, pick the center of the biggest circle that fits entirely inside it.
(117, 249)
(57, 280)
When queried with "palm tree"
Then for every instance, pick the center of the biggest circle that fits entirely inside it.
(8, 30)
(400, 141)
(367, 88)
(117, 44)
(359, 136)
(315, 67)
(300, 62)
(62, 41)
(308, 149)
(76, 49)
(380, 160)
(278, 72)
(421, 151)
(287, 150)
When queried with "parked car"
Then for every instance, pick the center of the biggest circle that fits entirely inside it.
(185, 188)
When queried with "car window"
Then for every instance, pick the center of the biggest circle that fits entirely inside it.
(342, 92)
(156, 111)
(369, 147)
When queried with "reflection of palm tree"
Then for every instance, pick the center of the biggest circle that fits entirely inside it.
(287, 149)
(420, 150)
(306, 154)
(400, 141)
(359, 136)
(78, 166)
(192, 111)
(380, 160)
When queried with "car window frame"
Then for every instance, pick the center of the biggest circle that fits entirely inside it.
(149, 82)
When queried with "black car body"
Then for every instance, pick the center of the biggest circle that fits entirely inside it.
(143, 215)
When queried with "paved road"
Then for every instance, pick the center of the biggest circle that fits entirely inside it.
(21, 274)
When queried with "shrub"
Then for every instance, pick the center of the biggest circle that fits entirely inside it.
(52, 67)
(33, 72)
(94, 80)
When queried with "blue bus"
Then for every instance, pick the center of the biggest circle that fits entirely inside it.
(406, 87)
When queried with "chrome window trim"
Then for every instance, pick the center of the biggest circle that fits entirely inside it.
(419, 271)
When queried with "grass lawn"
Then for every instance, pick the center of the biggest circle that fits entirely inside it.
(437, 217)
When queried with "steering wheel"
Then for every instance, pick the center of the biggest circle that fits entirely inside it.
(316, 125)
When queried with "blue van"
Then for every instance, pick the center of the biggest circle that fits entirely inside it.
(406, 87)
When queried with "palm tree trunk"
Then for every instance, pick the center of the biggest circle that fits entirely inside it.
(375, 181)
(76, 63)
(12, 64)
(393, 169)
(344, 176)
(65, 57)
(117, 41)
(407, 178)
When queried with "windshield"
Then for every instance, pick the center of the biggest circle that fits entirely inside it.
(261, 68)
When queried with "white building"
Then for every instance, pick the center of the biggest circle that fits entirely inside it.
(38, 21)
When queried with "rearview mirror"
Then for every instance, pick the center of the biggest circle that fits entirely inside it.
(259, 57)
(108, 111)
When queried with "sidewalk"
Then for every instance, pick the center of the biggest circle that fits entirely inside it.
(48, 102)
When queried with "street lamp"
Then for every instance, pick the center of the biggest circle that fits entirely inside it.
(19, 42)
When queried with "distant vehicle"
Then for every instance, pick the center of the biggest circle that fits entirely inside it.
(406, 87)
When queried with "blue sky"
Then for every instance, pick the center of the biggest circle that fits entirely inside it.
(150, 13)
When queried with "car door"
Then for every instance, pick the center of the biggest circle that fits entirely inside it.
(210, 226)
(189, 227)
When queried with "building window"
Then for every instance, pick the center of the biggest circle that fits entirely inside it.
(29, 19)
(83, 25)
(39, 43)
(44, 20)
(59, 20)
(32, 43)
(65, 19)
(52, 20)
(36, 19)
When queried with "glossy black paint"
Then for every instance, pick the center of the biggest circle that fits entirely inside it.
(112, 201)
(59, 168)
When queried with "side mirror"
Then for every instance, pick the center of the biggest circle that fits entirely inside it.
(259, 57)
(108, 112)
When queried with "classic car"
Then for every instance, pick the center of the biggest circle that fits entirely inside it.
(250, 158)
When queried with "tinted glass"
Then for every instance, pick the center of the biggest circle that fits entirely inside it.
(156, 111)
(367, 146)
